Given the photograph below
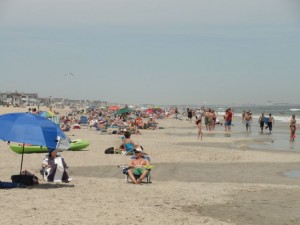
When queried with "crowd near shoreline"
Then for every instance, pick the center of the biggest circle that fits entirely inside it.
(194, 175)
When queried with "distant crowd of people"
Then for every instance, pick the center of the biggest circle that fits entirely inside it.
(210, 118)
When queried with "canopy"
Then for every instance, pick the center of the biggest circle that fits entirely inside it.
(124, 110)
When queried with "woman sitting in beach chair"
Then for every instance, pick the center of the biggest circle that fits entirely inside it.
(54, 168)
(139, 167)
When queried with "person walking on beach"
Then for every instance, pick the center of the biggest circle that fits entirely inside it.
(190, 114)
(293, 127)
(176, 113)
(270, 123)
(261, 121)
(210, 118)
(199, 125)
(248, 121)
(243, 116)
(228, 119)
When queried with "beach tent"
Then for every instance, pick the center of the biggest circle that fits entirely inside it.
(154, 110)
(113, 108)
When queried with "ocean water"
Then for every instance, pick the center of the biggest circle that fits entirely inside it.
(280, 113)
(279, 139)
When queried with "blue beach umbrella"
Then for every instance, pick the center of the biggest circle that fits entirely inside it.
(27, 128)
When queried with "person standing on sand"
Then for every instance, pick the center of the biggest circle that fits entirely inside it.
(270, 123)
(210, 119)
(190, 114)
(176, 113)
(199, 125)
(293, 127)
(228, 119)
(243, 116)
(261, 121)
(248, 121)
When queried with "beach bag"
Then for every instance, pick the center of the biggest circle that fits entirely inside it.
(110, 150)
(27, 180)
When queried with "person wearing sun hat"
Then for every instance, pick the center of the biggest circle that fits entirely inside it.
(138, 166)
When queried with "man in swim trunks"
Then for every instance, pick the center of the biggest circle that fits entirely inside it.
(137, 167)
(248, 120)
(270, 123)
(261, 121)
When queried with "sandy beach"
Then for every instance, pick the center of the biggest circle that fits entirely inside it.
(219, 181)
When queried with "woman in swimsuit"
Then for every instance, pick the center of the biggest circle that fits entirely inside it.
(293, 127)
(127, 142)
(199, 125)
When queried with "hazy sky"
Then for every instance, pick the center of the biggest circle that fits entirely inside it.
(152, 51)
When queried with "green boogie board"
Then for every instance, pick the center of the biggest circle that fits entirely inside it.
(75, 145)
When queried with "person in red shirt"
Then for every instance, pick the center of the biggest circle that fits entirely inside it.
(228, 119)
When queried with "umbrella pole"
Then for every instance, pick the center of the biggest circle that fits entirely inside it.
(22, 158)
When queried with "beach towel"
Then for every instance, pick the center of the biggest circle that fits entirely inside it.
(11, 185)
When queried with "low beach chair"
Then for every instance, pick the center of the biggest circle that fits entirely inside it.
(128, 148)
(83, 121)
(126, 168)
(128, 180)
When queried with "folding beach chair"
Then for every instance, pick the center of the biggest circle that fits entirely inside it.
(83, 121)
(127, 178)
(128, 149)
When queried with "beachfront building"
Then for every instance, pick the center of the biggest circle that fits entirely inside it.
(18, 99)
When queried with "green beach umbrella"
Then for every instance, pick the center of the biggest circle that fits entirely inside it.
(124, 110)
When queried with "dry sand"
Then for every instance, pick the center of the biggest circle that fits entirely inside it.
(216, 181)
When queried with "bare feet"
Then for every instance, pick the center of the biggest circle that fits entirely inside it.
(138, 181)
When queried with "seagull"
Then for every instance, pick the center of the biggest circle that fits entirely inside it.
(69, 74)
